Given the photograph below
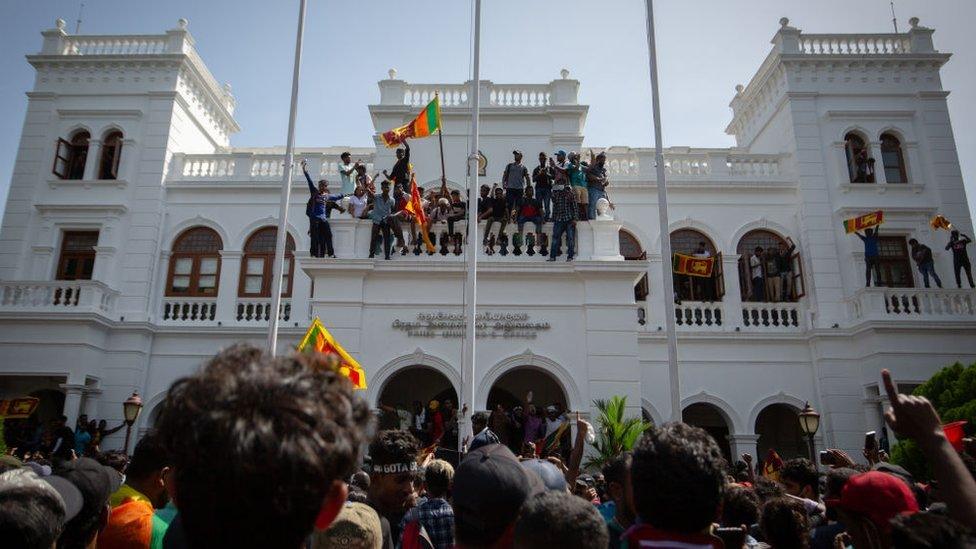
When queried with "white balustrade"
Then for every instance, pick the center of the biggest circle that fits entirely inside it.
(698, 315)
(207, 166)
(58, 295)
(754, 166)
(519, 95)
(686, 164)
(914, 304)
(258, 310)
(451, 95)
(114, 45)
(771, 316)
(854, 44)
(189, 310)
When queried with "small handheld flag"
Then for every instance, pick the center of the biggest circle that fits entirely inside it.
(318, 339)
(940, 222)
(416, 208)
(693, 266)
(424, 125)
(865, 221)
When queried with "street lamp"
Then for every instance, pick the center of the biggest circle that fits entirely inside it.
(130, 410)
(809, 423)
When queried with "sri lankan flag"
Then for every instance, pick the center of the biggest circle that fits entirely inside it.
(318, 339)
(693, 266)
(863, 222)
(940, 222)
(426, 123)
(550, 443)
(18, 408)
(416, 207)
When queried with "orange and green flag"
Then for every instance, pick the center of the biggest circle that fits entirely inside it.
(426, 123)
(693, 266)
(416, 207)
(863, 222)
(318, 339)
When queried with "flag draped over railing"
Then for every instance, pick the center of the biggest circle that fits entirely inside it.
(424, 125)
(416, 207)
(864, 221)
(318, 339)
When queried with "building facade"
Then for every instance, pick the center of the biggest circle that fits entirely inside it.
(136, 242)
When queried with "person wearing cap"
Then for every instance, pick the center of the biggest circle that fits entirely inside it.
(514, 179)
(392, 473)
(490, 486)
(596, 182)
(33, 510)
(95, 482)
(542, 177)
(868, 502)
(576, 170)
(356, 527)
(565, 212)
(677, 481)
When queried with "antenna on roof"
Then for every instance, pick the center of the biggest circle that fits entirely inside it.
(894, 20)
(78, 22)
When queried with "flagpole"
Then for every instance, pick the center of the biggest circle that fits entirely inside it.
(471, 286)
(279, 257)
(662, 207)
(440, 140)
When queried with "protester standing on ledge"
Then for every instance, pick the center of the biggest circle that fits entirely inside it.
(922, 255)
(346, 169)
(870, 239)
(514, 179)
(960, 258)
(564, 215)
(542, 178)
(400, 172)
(319, 220)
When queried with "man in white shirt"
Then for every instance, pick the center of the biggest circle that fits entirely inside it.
(756, 273)
(346, 168)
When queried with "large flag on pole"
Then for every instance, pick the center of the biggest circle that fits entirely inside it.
(318, 339)
(864, 221)
(416, 207)
(426, 123)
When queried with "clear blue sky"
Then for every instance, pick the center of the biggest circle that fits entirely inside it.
(706, 47)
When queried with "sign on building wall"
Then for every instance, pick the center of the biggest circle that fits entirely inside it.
(487, 325)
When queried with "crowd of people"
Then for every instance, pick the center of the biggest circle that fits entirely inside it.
(921, 254)
(54, 439)
(255, 451)
(562, 190)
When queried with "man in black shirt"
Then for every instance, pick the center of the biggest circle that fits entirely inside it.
(960, 258)
(922, 255)
(542, 177)
(63, 441)
(496, 210)
(400, 173)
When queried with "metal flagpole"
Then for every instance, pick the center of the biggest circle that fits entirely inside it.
(662, 207)
(471, 286)
(279, 257)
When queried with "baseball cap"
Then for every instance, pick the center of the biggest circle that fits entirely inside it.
(877, 496)
(95, 482)
(73, 501)
(490, 486)
(516, 151)
(550, 408)
(357, 525)
(560, 152)
(551, 476)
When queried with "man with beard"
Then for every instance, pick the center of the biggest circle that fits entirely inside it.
(391, 488)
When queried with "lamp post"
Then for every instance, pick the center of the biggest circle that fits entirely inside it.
(130, 410)
(809, 423)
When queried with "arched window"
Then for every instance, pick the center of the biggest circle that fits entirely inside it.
(257, 266)
(108, 166)
(776, 261)
(697, 288)
(893, 159)
(70, 156)
(860, 166)
(631, 249)
(194, 266)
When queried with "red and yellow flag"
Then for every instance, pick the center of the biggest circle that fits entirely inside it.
(18, 408)
(425, 124)
(863, 222)
(940, 222)
(318, 339)
(416, 207)
(693, 266)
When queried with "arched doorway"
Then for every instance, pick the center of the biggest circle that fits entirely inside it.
(710, 418)
(416, 384)
(513, 386)
(697, 288)
(778, 427)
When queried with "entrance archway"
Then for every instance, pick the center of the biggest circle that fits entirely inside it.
(512, 387)
(416, 383)
(778, 427)
(710, 418)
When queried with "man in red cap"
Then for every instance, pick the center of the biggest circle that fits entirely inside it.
(868, 502)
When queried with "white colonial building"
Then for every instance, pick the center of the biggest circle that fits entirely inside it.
(136, 242)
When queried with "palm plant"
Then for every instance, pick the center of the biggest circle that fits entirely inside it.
(615, 433)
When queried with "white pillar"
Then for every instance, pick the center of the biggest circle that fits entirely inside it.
(744, 444)
(92, 160)
(874, 151)
(733, 292)
(90, 404)
(230, 272)
(72, 402)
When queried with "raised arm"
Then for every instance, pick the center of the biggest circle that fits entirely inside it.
(915, 417)
(576, 456)
(311, 186)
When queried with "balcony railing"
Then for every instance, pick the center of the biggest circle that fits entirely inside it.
(58, 296)
(770, 316)
(726, 317)
(250, 166)
(914, 304)
(189, 310)
(258, 310)
(626, 164)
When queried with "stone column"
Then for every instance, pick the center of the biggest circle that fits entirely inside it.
(90, 404)
(744, 444)
(732, 302)
(72, 402)
(93, 159)
(874, 151)
(230, 272)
